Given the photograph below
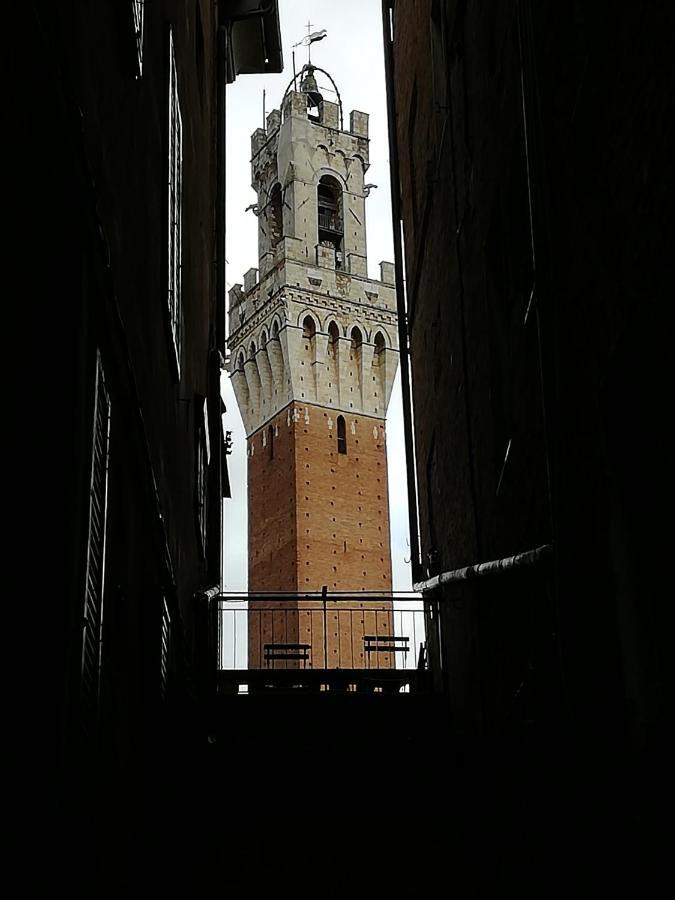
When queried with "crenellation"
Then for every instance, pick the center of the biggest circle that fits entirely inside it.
(258, 140)
(329, 113)
(273, 121)
(387, 273)
(358, 123)
(250, 280)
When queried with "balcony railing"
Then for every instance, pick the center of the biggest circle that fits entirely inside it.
(356, 642)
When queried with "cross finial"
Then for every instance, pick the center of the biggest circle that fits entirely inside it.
(309, 27)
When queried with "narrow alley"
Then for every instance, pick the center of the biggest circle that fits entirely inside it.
(348, 340)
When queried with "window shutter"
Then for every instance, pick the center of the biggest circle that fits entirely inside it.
(93, 600)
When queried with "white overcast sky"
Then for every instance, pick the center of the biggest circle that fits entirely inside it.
(352, 53)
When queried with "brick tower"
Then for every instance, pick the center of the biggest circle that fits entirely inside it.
(314, 351)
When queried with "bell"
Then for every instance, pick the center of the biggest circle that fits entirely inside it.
(309, 86)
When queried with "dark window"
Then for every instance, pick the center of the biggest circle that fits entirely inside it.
(330, 218)
(165, 651)
(308, 327)
(341, 435)
(275, 215)
(90, 668)
(379, 346)
(175, 209)
(270, 441)
(138, 9)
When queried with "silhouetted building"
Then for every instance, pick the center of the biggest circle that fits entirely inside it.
(531, 155)
(121, 240)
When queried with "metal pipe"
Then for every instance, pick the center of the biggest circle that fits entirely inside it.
(221, 75)
(207, 619)
(404, 350)
(478, 570)
(324, 592)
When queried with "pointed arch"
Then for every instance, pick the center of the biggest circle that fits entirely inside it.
(308, 327)
(275, 214)
(304, 314)
(384, 334)
(380, 346)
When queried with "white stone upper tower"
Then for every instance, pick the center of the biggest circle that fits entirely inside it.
(309, 325)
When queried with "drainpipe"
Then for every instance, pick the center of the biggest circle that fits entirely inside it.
(221, 77)
(206, 638)
(404, 349)
(493, 567)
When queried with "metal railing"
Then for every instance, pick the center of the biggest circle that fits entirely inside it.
(330, 221)
(275, 633)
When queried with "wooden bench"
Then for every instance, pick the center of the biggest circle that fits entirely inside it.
(385, 643)
(289, 652)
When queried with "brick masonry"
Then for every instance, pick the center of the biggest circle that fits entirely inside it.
(319, 517)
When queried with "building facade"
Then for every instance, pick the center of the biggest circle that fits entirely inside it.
(120, 238)
(313, 354)
(529, 145)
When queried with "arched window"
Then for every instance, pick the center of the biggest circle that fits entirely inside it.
(308, 327)
(263, 339)
(330, 218)
(275, 215)
(270, 441)
(252, 350)
(275, 329)
(240, 364)
(357, 338)
(332, 367)
(341, 435)
(379, 349)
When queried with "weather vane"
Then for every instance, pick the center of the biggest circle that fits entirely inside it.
(311, 38)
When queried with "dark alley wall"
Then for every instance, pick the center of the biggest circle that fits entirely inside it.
(543, 337)
(92, 232)
(532, 151)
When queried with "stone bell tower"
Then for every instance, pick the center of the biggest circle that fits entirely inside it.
(313, 354)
